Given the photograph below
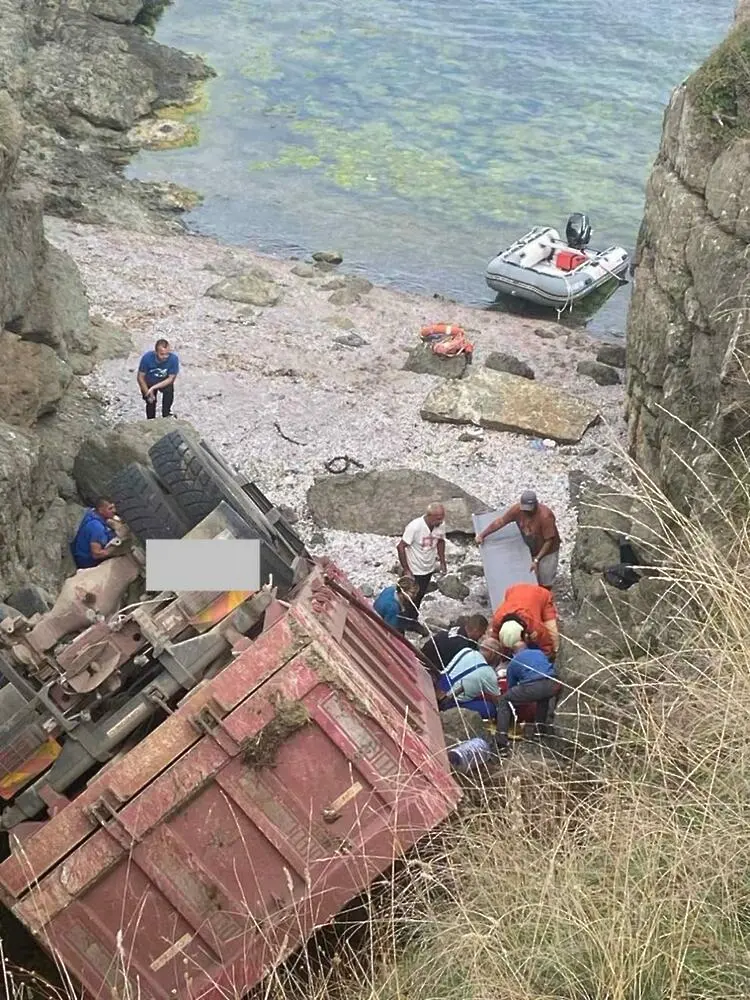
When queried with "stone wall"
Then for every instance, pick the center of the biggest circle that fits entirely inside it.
(688, 323)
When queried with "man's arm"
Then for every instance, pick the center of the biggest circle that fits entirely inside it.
(401, 549)
(141, 380)
(99, 551)
(441, 554)
(495, 525)
(554, 634)
(163, 384)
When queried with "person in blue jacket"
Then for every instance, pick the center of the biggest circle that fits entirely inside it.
(91, 544)
(531, 678)
(396, 606)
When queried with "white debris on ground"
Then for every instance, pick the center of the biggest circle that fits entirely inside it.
(245, 369)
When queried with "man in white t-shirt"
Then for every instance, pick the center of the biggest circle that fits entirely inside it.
(422, 548)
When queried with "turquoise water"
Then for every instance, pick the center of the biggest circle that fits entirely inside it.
(420, 137)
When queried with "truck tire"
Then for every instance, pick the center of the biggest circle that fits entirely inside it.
(144, 506)
(199, 483)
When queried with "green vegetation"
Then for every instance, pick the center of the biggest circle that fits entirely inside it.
(720, 89)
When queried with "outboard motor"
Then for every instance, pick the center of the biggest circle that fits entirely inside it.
(578, 231)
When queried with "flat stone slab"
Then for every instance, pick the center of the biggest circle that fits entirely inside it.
(503, 402)
(383, 502)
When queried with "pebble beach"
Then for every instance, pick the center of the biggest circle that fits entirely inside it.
(253, 377)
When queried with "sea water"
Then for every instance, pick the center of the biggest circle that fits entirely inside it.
(419, 138)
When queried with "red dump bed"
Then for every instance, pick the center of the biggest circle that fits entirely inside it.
(271, 797)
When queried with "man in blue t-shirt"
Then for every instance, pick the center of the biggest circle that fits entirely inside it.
(156, 373)
(531, 677)
(89, 547)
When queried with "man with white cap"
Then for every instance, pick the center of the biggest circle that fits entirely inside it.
(538, 526)
(530, 677)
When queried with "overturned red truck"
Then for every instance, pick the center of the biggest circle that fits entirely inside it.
(194, 783)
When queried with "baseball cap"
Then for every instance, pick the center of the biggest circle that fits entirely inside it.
(528, 500)
(510, 634)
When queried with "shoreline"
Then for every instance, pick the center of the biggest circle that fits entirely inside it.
(246, 368)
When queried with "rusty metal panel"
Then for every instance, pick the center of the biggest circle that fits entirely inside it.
(268, 800)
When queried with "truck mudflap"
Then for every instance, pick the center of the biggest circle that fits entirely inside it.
(274, 794)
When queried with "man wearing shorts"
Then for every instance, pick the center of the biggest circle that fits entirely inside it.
(538, 527)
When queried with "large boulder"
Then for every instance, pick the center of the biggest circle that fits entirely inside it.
(105, 452)
(255, 287)
(32, 380)
(383, 502)
(503, 402)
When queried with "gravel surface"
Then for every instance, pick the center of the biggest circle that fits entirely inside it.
(244, 368)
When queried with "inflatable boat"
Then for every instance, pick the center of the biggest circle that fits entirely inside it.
(549, 271)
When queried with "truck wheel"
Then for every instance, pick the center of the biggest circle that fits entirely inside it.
(199, 483)
(144, 506)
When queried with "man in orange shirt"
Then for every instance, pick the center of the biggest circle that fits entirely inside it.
(537, 524)
(534, 608)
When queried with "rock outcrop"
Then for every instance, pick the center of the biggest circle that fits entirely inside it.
(83, 74)
(687, 337)
(46, 341)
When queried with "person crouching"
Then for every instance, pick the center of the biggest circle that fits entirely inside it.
(397, 606)
(470, 680)
(531, 678)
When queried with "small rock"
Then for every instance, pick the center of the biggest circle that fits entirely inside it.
(344, 297)
(328, 256)
(290, 515)
(612, 354)
(473, 435)
(317, 538)
(470, 570)
(601, 374)
(255, 287)
(303, 270)
(502, 362)
(577, 339)
(350, 340)
(451, 586)
(546, 333)
(423, 361)
(342, 322)
(361, 286)
(459, 724)
(367, 590)
(30, 600)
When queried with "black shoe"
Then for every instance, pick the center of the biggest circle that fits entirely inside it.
(502, 749)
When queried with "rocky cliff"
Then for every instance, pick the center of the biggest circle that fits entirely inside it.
(687, 336)
(75, 76)
(84, 73)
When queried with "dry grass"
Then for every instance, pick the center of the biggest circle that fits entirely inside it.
(630, 881)
(622, 876)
